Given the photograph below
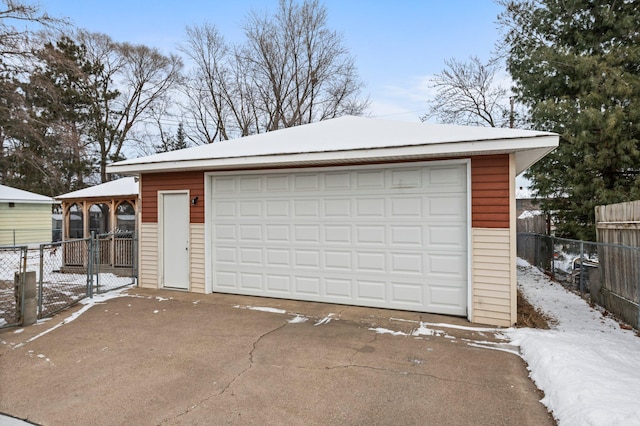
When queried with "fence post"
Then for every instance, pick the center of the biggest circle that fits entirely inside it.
(40, 282)
(581, 267)
(553, 258)
(134, 260)
(90, 267)
(638, 256)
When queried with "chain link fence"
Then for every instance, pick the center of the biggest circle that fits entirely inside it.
(62, 274)
(12, 265)
(18, 237)
(607, 274)
(66, 272)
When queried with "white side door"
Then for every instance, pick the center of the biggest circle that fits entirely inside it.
(174, 218)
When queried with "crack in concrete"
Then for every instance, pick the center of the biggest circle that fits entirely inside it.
(255, 343)
(406, 373)
(254, 346)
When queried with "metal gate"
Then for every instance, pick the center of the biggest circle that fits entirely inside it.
(66, 272)
(72, 270)
(13, 263)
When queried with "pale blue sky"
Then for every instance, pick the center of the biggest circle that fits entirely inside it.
(397, 44)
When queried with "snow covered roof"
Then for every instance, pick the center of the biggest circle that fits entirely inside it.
(14, 195)
(116, 188)
(346, 140)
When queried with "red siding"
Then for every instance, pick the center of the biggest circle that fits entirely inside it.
(490, 191)
(154, 182)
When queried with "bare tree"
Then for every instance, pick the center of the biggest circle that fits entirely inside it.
(300, 68)
(290, 70)
(14, 39)
(466, 93)
(207, 82)
(133, 78)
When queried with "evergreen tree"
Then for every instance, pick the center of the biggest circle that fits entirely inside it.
(49, 155)
(173, 143)
(576, 65)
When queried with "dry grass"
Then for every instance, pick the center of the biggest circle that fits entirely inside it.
(528, 316)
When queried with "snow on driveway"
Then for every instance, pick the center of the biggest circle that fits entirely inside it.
(587, 366)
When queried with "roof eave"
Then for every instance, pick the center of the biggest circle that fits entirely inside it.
(536, 147)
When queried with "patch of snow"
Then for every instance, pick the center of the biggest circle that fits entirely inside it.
(586, 365)
(156, 311)
(527, 214)
(298, 319)
(88, 304)
(267, 309)
(380, 330)
(18, 331)
(324, 320)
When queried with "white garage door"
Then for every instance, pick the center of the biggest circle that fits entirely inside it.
(391, 237)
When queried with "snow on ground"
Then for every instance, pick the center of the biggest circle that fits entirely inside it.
(587, 366)
(88, 304)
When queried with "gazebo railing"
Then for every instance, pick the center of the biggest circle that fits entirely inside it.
(110, 250)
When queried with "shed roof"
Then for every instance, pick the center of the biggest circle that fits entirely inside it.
(116, 188)
(348, 140)
(14, 195)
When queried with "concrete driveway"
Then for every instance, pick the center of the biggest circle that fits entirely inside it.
(160, 357)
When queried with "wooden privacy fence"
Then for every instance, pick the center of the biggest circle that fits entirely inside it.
(619, 224)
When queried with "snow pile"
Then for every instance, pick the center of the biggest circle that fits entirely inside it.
(586, 365)
(527, 214)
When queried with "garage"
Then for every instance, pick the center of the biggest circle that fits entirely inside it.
(351, 210)
(389, 237)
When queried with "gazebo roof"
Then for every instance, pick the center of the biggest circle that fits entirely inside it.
(125, 187)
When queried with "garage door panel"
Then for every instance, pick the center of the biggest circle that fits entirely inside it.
(337, 207)
(393, 237)
(446, 266)
(407, 264)
(338, 289)
(279, 284)
(407, 235)
(337, 234)
(278, 258)
(225, 280)
(407, 293)
(338, 260)
(277, 208)
(250, 232)
(277, 234)
(277, 183)
(370, 207)
(371, 179)
(449, 207)
(307, 285)
(446, 237)
(370, 262)
(337, 181)
(407, 178)
(371, 290)
(370, 234)
(407, 207)
(306, 259)
(250, 281)
(444, 296)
